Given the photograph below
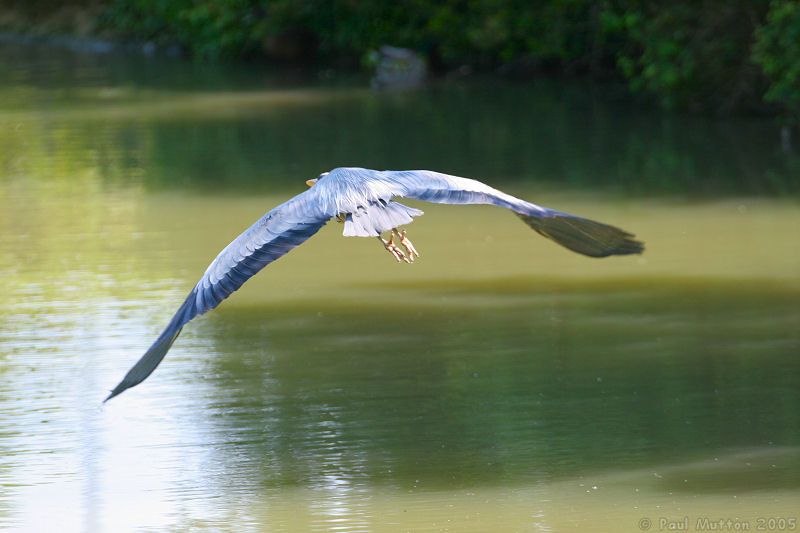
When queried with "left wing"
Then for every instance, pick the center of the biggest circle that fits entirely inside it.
(271, 237)
(581, 235)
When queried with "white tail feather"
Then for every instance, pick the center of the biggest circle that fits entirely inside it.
(378, 217)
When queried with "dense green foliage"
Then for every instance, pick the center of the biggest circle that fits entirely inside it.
(777, 50)
(715, 55)
(691, 54)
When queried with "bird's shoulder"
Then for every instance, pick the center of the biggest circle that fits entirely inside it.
(344, 189)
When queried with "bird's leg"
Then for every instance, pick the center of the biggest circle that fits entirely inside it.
(393, 249)
(406, 243)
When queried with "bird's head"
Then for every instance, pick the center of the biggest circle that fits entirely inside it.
(313, 182)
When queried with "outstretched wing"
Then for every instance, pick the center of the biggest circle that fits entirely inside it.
(271, 237)
(578, 234)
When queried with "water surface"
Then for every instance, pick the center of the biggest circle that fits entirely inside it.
(501, 383)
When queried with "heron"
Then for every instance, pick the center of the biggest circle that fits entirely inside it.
(365, 202)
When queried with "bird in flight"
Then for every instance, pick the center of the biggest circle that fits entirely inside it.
(364, 201)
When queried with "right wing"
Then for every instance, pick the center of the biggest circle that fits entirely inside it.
(271, 237)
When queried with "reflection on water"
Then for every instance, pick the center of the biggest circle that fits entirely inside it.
(173, 125)
(500, 383)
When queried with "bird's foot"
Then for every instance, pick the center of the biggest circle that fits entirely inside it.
(406, 243)
(392, 248)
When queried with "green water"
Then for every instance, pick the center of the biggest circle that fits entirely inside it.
(499, 384)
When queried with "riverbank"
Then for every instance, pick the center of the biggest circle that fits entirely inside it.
(718, 57)
(78, 28)
(75, 20)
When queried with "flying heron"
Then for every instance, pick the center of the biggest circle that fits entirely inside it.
(364, 201)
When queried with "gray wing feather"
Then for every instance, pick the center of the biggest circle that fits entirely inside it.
(581, 235)
(271, 237)
(439, 188)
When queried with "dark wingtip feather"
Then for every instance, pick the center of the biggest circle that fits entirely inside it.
(147, 363)
(153, 356)
(584, 236)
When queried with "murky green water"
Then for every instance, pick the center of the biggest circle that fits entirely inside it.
(499, 384)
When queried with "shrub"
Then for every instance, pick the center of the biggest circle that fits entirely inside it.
(777, 51)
